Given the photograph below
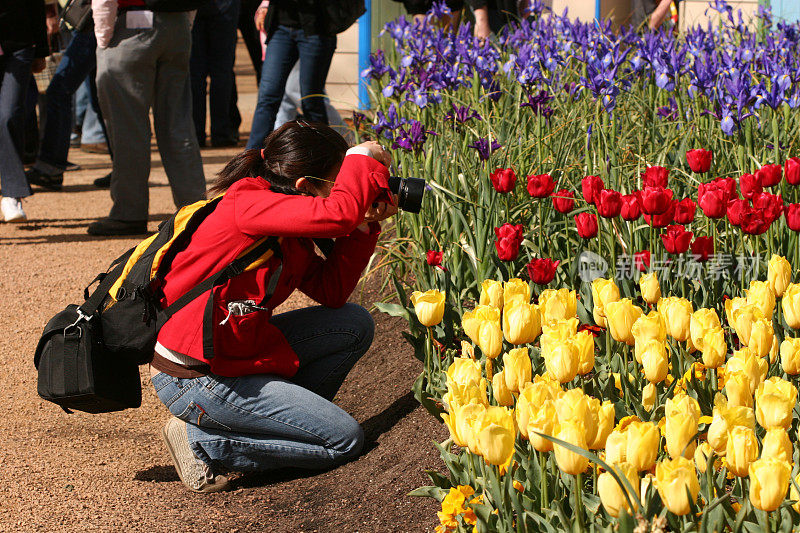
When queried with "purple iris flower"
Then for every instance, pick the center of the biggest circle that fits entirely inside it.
(412, 136)
(539, 103)
(485, 148)
(461, 114)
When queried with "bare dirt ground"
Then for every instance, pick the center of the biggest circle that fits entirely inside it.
(111, 472)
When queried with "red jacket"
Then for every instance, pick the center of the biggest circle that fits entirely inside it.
(249, 344)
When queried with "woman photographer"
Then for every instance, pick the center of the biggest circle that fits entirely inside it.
(264, 400)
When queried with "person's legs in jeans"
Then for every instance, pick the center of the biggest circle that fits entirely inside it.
(172, 117)
(221, 58)
(202, 41)
(291, 98)
(15, 76)
(261, 422)
(281, 56)
(316, 52)
(92, 126)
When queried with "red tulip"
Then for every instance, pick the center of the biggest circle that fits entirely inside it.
(631, 210)
(664, 219)
(755, 221)
(586, 224)
(655, 177)
(685, 211)
(728, 185)
(792, 214)
(750, 185)
(769, 175)
(542, 271)
(676, 239)
(434, 258)
(642, 260)
(541, 185)
(713, 199)
(609, 203)
(703, 248)
(655, 200)
(563, 201)
(591, 187)
(503, 180)
(792, 171)
(735, 210)
(509, 237)
(770, 204)
(699, 160)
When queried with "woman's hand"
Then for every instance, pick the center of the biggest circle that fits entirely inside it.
(379, 211)
(261, 14)
(377, 152)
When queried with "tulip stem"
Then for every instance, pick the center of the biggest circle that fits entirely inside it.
(543, 467)
(578, 502)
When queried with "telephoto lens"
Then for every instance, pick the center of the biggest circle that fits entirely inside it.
(409, 192)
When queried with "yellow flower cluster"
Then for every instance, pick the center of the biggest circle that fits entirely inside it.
(454, 505)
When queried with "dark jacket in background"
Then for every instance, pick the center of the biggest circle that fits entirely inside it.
(314, 18)
(22, 24)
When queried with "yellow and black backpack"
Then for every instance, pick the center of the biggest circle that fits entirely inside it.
(88, 355)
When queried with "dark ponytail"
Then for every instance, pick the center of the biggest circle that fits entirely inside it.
(295, 150)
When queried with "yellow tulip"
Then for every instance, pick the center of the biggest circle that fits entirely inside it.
(714, 347)
(584, 345)
(562, 361)
(573, 406)
(562, 329)
(743, 319)
(651, 290)
(761, 337)
(776, 444)
(774, 351)
(649, 396)
(557, 305)
(737, 388)
(605, 424)
(483, 327)
(701, 321)
(746, 361)
(648, 327)
(532, 396)
(760, 294)
(612, 496)
(727, 416)
(775, 399)
(459, 421)
(790, 303)
(642, 445)
(521, 322)
(742, 449)
(570, 462)
(682, 414)
(429, 306)
(492, 293)
(794, 495)
(516, 289)
(779, 274)
(617, 446)
(604, 291)
(677, 316)
(732, 305)
(500, 390)
(701, 456)
(517, 365)
(673, 478)
(769, 480)
(495, 434)
(464, 393)
(463, 370)
(790, 356)
(620, 317)
(471, 320)
(655, 361)
(542, 419)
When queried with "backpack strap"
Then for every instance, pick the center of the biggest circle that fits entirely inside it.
(237, 267)
(93, 302)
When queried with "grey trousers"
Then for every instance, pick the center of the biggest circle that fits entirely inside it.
(140, 69)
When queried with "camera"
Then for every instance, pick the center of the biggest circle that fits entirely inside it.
(409, 192)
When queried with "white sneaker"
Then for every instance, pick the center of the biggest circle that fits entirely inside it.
(12, 210)
(195, 474)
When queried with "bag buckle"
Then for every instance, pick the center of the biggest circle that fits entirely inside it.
(74, 325)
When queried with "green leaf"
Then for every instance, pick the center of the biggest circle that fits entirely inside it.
(428, 492)
(393, 310)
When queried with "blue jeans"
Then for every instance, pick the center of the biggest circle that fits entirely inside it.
(15, 79)
(213, 55)
(86, 116)
(76, 64)
(261, 422)
(285, 47)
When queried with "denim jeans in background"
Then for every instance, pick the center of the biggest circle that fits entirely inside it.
(86, 117)
(15, 80)
(285, 47)
(76, 64)
(261, 422)
(213, 55)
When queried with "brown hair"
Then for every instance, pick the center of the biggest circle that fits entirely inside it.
(295, 150)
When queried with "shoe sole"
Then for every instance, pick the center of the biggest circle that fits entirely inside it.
(12, 220)
(173, 456)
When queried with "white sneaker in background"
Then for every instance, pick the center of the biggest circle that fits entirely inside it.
(12, 210)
